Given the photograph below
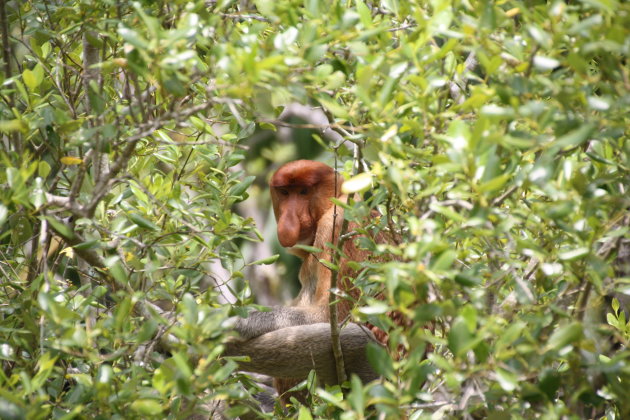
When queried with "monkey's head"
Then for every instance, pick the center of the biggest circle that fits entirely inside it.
(301, 192)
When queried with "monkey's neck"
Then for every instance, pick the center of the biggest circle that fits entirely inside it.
(315, 280)
(314, 276)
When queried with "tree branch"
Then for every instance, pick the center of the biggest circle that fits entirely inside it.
(459, 83)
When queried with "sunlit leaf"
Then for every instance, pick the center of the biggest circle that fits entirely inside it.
(573, 254)
(358, 183)
(7, 126)
(71, 160)
(30, 80)
(506, 379)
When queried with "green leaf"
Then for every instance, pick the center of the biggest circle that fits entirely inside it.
(565, 335)
(304, 413)
(190, 308)
(146, 407)
(341, 203)
(30, 80)
(309, 249)
(375, 308)
(615, 305)
(331, 105)
(22, 90)
(133, 38)
(574, 138)
(358, 183)
(444, 261)
(459, 337)
(448, 212)
(365, 15)
(549, 382)
(543, 63)
(495, 183)
(45, 365)
(507, 380)
(379, 360)
(496, 112)
(240, 188)
(93, 244)
(265, 7)
(60, 227)
(8, 126)
(116, 269)
(265, 261)
(574, 254)
(512, 333)
(96, 100)
(467, 279)
(142, 222)
(43, 169)
(329, 265)
(356, 397)
(4, 212)
(469, 315)
(152, 24)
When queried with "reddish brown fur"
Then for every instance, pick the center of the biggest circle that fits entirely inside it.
(301, 192)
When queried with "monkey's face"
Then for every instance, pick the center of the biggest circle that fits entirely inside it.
(296, 221)
(301, 192)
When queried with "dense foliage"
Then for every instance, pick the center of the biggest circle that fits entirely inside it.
(136, 138)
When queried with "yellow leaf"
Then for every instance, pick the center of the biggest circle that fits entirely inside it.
(513, 12)
(29, 79)
(391, 132)
(68, 251)
(7, 126)
(71, 160)
(357, 183)
(120, 62)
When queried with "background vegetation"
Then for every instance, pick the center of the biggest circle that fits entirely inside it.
(136, 139)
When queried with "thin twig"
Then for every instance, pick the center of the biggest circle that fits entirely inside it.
(499, 200)
(402, 28)
(332, 298)
(244, 17)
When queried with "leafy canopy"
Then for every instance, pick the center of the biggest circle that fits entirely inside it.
(134, 135)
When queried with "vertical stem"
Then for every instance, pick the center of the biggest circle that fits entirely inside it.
(6, 47)
(335, 275)
(90, 74)
(90, 58)
(33, 264)
(332, 304)
(6, 57)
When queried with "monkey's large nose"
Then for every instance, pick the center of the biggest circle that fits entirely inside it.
(288, 229)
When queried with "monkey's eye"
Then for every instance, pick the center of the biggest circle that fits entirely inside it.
(304, 191)
(283, 191)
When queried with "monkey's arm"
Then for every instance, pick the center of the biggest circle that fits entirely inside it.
(293, 352)
(259, 323)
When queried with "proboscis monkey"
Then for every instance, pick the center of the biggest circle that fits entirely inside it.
(301, 193)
